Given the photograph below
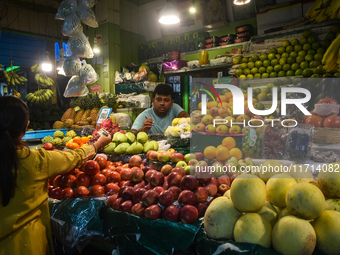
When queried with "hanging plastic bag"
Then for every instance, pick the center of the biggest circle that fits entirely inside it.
(79, 46)
(87, 74)
(72, 66)
(66, 8)
(86, 15)
(72, 25)
(75, 88)
(88, 3)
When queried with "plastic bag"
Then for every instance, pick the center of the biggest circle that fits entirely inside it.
(122, 119)
(66, 8)
(75, 88)
(140, 76)
(88, 3)
(79, 46)
(86, 15)
(72, 66)
(72, 25)
(87, 74)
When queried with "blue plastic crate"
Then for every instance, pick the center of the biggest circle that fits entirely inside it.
(40, 134)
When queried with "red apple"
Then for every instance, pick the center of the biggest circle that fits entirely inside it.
(223, 188)
(135, 160)
(68, 181)
(111, 200)
(114, 176)
(57, 181)
(101, 161)
(153, 155)
(139, 185)
(176, 157)
(171, 213)
(138, 194)
(56, 193)
(153, 212)
(106, 171)
(201, 208)
(98, 179)
(189, 182)
(91, 167)
(126, 173)
(138, 209)
(201, 194)
(166, 169)
(137, 174)
(174, 179)
(150, 197)
(224, 179)
(199, 156)
(81, 191)
(188, 214)
(165, 184)
(157, 179)
(187, 197)
(111, 188)
(97, 191)
(166, 198)
(117, 203)
(179, 170)
(211, 188)
(83, 180)
(175, 191)
(127, 193)
(145, 169)
(48, 146)
(126, 206)
(148, 175)
(158, 189)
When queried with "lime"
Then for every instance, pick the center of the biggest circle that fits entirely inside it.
(285, 43)
(273, 74)
(242, 76)
(320, 70)
(245, 60)
(302, 41)
(254, 71)
(290, 73)
(255, 58)
(293, 54)
(331, 36)
(270, 69)
(285, 67)
(311, 39)
(309, 57)
(243, 66)
(315, 45)
(285, 55)
(271, 56)
(257, 76)
(313, 64)
(291, 60)
(295, 66)
(266, 63)
(274, 62)
(265, 90)
(294, 42)
(263, 57)
(262, 70)
(300, 59)
(318, 56)
(278, 56)
(251, 65)
(250, 76)
(304, 65)
(297, 48)
(315, 76)
(238, 73)
(298, 72)
(307, 33)
(265, 75)
(311, 52)
(281, 74)
(236, 61)
(277, 82)
(277, 68)
(306, 47)
(258, 63)
(337, 74)
(273, 50)
(302, 53)
(307, 72)
(320, 51)
(282, 61)
(289, 49)
(246, 71)
(280, 50)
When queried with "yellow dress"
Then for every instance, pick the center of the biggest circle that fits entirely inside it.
(25, 221)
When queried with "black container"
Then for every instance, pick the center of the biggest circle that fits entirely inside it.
(227, 37)
(244, 28)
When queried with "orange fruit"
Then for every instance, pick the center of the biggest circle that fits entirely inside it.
(77, 139)
(210, 152)
(84, 139)
(229, 142)
(229, 95)
(222, 153)
(69, 144)
(236, 152)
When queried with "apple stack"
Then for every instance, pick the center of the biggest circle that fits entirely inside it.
(157, 159)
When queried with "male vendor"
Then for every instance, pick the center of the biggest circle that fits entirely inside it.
(160, 116)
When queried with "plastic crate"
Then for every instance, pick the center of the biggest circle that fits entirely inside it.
(40, 134)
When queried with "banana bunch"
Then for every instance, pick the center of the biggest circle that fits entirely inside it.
(43, 80)
(14, 78)
(16, 93)
(36, 68)
(331, 58)
(323, 10)
(39, 96)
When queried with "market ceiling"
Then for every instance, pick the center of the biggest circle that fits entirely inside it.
(44, 6)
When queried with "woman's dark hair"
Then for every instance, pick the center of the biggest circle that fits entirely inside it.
(14, 116)
(164, 90)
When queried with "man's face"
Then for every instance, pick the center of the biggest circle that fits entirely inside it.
(162, 104)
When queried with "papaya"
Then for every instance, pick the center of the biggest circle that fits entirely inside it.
(204, 57)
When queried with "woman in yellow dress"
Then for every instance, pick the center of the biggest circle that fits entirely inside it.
(24, 213)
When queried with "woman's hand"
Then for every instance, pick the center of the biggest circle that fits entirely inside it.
(103, 141)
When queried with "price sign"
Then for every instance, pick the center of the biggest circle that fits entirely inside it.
(104, 114)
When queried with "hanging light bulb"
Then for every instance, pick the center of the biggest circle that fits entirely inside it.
(192, 8)
(96, 49)
(241, 2)
(60, 68)
(46, 65)
(169, 14)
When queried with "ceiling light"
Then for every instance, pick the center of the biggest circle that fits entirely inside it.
(46, 65)
(241, 2)
(192, 9)
(169, 14)
(61, 62)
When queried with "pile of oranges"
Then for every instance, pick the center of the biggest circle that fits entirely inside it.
(77, 142)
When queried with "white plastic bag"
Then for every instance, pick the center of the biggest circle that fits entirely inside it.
(66, 8)
(143, 100)
(79, 46)
(75, 88)
(87, 74)
(122, 119)
(72, 66)
(72, 25)
(88, 3)
(86, 15)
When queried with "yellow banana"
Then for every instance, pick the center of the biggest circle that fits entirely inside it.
(332, 50)
(321, 16)
(311, 11)
(332, 8)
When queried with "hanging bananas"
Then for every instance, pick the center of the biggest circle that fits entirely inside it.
(16, 93)
(14, 78)
(323, 10)
(36, 68)
(40, 96)
(331, 58)
(43, 80)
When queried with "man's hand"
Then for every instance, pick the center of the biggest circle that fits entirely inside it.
(147, 124)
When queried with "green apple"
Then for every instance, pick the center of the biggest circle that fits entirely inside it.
(188, 157)
(182, 164)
